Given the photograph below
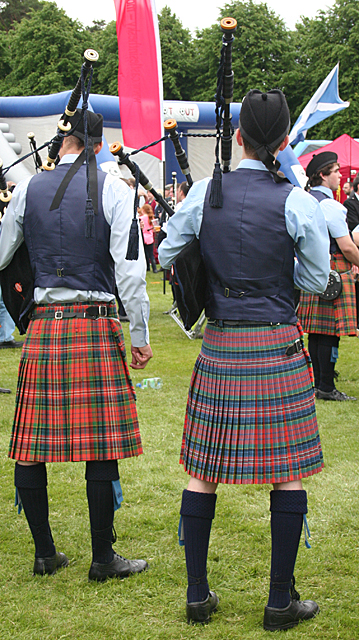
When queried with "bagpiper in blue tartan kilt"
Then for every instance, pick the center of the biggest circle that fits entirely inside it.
(250, 414)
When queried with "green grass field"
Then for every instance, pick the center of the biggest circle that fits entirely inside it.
(152, 605)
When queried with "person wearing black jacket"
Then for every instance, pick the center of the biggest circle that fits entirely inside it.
(352, 206)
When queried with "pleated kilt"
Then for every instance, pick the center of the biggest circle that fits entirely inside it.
(250, 414)
(75, 399)
(331, 317)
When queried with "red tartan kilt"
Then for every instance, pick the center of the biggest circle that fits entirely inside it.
(75, 400)
(331, 317)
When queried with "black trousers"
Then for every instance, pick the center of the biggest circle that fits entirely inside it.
(150, 260)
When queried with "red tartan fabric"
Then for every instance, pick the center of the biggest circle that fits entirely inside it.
(331, 317)
(75, 400)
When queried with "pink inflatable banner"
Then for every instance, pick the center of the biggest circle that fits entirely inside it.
(139, 74)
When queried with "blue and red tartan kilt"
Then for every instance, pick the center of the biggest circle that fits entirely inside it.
(331, 317)
(75, 400)
(250, 414)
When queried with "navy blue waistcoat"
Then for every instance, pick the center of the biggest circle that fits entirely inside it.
(247, 251)
(319, 195)
(60, 254)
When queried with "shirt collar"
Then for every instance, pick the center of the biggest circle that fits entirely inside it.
(326, 190)
(69, 158)
(356, 195)
(248, 163)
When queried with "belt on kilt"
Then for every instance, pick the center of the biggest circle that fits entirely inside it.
(92, 313)
(292, 348)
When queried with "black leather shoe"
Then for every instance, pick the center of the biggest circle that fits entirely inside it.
(339, 396)
(295, 612)
(118, 568)
(201, 611)
(11, 344)
(50, 565)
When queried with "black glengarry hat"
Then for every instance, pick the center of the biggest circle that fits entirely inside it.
(264, 121)
(94, 125)
(319, 161)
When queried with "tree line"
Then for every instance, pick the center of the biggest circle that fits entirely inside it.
(41, 46)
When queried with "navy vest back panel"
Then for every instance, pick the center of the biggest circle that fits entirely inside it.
(319, 195)
(60, 254)
(247, 249)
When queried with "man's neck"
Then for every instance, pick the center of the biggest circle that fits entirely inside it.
(69, 151)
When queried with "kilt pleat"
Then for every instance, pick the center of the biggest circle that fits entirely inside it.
(331, 317)
(250, 415)
(75, 400)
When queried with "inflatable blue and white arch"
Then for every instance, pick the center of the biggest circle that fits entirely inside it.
(41, 113)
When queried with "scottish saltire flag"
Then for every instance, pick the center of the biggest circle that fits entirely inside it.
(139, 74)
(323, 104)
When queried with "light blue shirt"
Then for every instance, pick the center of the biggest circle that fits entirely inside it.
(117, 201)
(334, 212)
(304, 219)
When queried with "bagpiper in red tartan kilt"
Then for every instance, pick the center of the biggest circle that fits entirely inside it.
(331, 317)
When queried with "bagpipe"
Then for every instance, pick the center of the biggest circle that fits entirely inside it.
(189, 278)
(16, 279)
(188, 272)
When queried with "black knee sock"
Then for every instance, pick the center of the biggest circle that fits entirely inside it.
(31, 482)
(326, 363)
(99, 476)
(326, 368)
(197, 511)
(100, 501)
(287, 509)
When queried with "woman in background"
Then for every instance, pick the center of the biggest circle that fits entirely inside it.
(146, 220)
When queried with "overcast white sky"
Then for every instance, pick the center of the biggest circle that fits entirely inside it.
(193, 13)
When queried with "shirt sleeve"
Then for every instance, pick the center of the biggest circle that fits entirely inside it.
(306, 224)
(184, 225)
(11, 228)
(118, 203)
(336, 218)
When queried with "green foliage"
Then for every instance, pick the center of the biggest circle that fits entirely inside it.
(151, 606)
(255, 64)
(46, 52)
(14, 11)
(107, 73)
(42, 54)
(177, 51)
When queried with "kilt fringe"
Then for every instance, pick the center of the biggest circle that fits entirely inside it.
(250, 415)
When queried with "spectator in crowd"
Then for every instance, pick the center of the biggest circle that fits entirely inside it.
(7, 327)
(352, 207)
(182, 191)
(347, 188)
(147, 217)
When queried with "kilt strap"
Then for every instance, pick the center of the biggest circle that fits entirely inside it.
(92, 313)
(294, 347)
